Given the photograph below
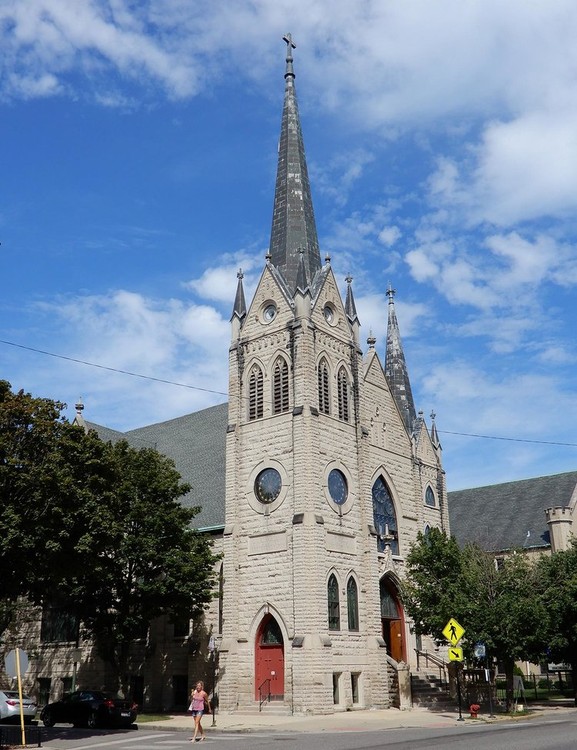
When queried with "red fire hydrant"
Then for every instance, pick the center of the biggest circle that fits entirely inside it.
(474, 709)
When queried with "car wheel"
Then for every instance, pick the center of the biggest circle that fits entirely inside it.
(91, 721)
(48, 719)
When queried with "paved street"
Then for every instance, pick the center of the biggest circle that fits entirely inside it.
(544, 730)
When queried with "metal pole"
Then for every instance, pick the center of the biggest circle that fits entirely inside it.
(459, 694)
(214, 687)
(488, 672)
(19, 676)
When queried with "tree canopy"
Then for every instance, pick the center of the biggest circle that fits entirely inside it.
(96, 525)
(498, 605)
(558, 575)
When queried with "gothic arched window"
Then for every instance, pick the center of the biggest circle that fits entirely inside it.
(352, 604)
(255, 393)
(280, 387)
(334, 610)
(430, 497)
(385, 518)
(343, 394)
(323, 384)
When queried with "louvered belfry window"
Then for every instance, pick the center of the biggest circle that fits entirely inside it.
(280, 387)
(323, 383)
(255, 393)
(343, 393)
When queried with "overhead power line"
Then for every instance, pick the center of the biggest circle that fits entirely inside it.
(222, 393)
(513, 440)
(112, 369)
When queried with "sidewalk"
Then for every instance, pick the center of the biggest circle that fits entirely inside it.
(349, 721)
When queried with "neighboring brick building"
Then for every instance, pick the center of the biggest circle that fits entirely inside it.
(314, 481)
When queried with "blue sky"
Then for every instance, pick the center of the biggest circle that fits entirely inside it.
(138, 162)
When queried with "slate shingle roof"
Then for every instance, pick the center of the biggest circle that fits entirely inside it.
(510, 515)
(196, 444)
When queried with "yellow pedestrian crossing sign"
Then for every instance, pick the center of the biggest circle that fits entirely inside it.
(455, 653)
(453, 632)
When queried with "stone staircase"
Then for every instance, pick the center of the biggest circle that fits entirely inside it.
(274, 708)
(429, 692)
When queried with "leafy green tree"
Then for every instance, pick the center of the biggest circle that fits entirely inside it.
(499, 606)
(96, 526)
(141, 557)
(31, 431)
(558, 576)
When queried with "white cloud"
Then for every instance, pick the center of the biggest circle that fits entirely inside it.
(337, 178)
(389, 235)
(525, 168)
(528, 262)
(125, 331)
(373, 311)
(471, 401)
(387, 60)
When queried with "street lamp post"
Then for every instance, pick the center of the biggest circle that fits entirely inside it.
(213, 648)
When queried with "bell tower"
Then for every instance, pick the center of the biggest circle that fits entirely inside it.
(303, 557)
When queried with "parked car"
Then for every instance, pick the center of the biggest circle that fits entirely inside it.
(10, 706)
(90, 708)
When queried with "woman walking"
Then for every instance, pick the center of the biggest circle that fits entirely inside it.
(198, 704)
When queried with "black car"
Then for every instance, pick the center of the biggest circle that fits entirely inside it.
(90, 708)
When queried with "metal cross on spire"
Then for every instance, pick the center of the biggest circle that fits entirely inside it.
(290, 45)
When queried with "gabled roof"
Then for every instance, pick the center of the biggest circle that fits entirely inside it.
(196, 444)
(508, 516)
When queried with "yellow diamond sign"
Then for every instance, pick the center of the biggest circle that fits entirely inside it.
(453, 632)
(455, 653)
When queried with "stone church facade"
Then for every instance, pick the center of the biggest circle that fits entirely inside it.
(330, 475)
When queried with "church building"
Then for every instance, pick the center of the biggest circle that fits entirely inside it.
(330, 475)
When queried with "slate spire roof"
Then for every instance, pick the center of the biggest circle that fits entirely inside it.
(239, 309)
(293, 222)
(396, 367)
(350, 307)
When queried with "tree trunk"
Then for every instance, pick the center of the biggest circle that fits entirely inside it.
(123, 651)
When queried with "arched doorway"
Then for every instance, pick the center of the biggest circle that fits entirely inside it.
(269, 659)
(392, 620)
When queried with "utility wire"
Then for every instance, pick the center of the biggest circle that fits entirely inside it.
(514, 440)
(221, 393)
(112, 369)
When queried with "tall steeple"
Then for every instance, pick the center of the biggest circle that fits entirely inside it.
(396, 367)
(293, 221)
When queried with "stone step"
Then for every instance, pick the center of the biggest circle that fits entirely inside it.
(274, 708)
(428, 691)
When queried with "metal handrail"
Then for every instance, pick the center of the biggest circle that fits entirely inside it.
(436, 661)
(263, 698)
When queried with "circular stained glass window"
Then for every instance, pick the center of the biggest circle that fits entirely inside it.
(269, 313)
(329, 313)
(338, 488)
(267, 486)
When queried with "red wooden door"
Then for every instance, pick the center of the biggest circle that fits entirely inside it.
(397, 649)
(269, 660)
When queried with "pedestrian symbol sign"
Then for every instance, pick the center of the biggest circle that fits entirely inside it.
(453, 632)
(455, 653)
